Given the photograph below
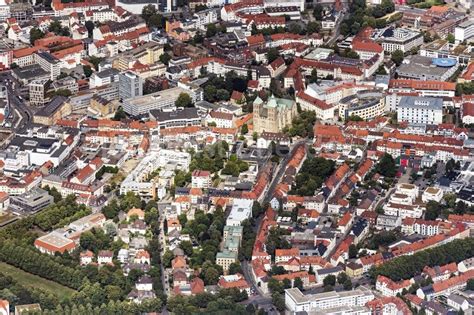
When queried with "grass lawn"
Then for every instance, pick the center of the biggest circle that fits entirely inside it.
(29, 280)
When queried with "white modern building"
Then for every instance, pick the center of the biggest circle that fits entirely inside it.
(400, 39)
(296, 301)
(103, 77)
(159, 100)
(464, 31)
(241, 210)
(420, 110)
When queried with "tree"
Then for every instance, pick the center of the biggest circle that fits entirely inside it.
(329, 281)
(148, 11)
(165, 58)
(87, 70)
(120, 114)
(235, 268)
(245, 129)
(90, 28)
(405, 267)
(278, 301)
(211, 30)
(470, 284)
(35, 34)
(156, 21)
(354, 118)
(184, 100)
(187, 247)
(294, 28)
(397, 57)
(272, 54)
(56, 28)
(352, 54)
(433, 210)
(318, 12)
(342, 277)
(381, 70)
(210, 273)
(95, 61)
(313, 27)
(298, 283)
(450, 38)
(347, 284)
(314, 76)
(352, 251)
(387, 166)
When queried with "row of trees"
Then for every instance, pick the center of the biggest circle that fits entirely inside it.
(41, 265)
(406, 267)
(312, 175)
(225, 301)
(110, 308)
(16, 293)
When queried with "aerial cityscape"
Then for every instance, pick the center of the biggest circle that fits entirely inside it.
(236, 157)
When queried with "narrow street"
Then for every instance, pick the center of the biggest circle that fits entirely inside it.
(262, 300)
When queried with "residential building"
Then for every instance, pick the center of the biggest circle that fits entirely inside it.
(58, 108)
(225, 259)
(420, 110)
(445, 287)
(296, 301)
(389, 287)
(201, 179)
(432, 194)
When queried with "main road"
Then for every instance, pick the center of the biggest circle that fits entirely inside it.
(17, 104)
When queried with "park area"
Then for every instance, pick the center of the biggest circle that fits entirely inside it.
(28, 280)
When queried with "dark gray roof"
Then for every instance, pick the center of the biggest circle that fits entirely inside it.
(180, 114)
(48, 57)
(52, 106)
(107, 73)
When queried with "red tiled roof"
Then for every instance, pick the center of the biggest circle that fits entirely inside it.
(467, 109)
(445, 284)
(422, 85)
(287, 252)
(314, 101)
(366, 45)
(255, 40)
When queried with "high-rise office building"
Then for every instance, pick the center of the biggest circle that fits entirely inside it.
(130, 85)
